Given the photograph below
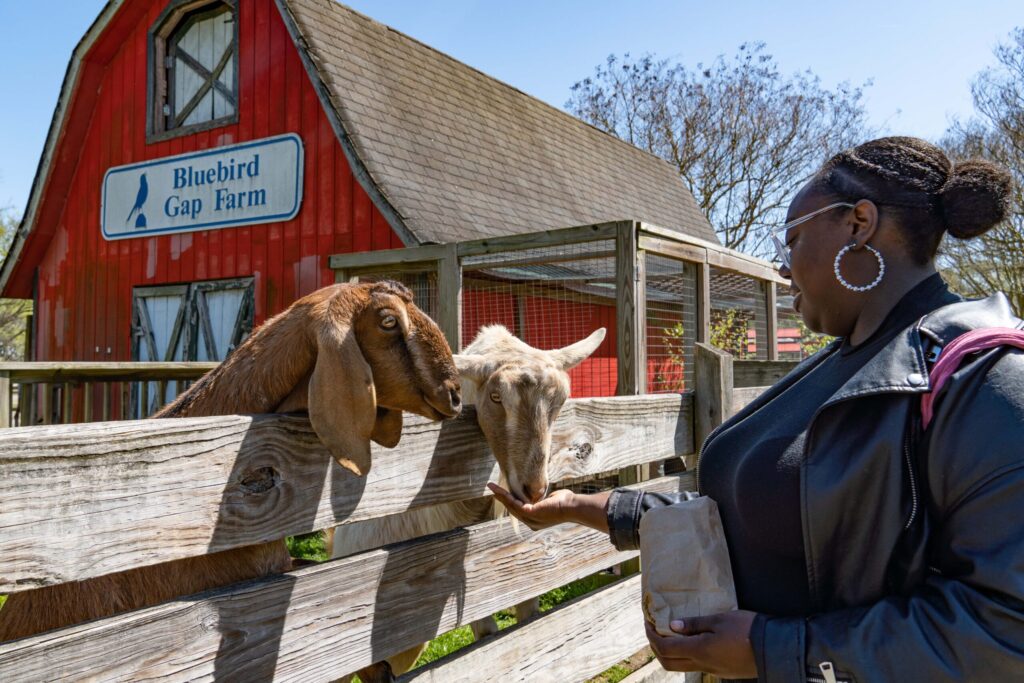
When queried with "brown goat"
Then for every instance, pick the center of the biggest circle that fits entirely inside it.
(355, 356)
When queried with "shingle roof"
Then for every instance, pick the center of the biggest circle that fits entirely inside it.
(460, 155)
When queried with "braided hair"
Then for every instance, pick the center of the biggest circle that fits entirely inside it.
(927, 193)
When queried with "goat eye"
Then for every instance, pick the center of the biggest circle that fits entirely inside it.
(389, 322)
(496, 397)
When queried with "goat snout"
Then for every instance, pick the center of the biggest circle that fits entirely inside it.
(534, 493)
(455, 398)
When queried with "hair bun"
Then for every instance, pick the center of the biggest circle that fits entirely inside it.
(975, 198)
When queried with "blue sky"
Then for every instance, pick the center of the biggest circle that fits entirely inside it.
(921, 56)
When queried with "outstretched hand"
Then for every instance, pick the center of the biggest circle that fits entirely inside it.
(718, 644)
(555, 509)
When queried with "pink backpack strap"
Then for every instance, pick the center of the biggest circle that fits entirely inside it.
(953, 354)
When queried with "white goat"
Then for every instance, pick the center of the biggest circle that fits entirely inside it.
(518, 392)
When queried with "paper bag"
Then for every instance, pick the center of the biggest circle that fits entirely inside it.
(685, 570)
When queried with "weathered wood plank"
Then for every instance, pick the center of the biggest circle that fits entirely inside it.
(760, 373)
(714, 385)
(703, 303)
(87, 500)
(321, 622)
(630, 313)
(103, 372)
(742, 396)
(5, 399)
(544, 238)
(721, 257)
(572, 643)
(673, 249)
(387, 257)
(449, 297)
(772, 319)
(654, 673)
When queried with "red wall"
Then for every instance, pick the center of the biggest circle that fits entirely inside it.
(85, 282)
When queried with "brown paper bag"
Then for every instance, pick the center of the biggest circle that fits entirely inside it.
(684, 563)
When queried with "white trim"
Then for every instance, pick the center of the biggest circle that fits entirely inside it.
(57, 125)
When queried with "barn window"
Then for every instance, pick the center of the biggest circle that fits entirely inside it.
(194, 67)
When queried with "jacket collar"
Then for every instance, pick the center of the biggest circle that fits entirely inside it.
(900, 366)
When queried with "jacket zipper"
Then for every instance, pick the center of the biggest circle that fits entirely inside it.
(828, 674)
(913, 480)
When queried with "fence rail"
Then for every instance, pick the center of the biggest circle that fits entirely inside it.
(201, 485)
(66, 392)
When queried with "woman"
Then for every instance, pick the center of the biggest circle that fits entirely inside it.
(864, 549)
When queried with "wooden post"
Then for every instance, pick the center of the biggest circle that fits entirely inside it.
(87, 402)
(27, 404)
(449, 296)
(704, 303)
(630, 312)
(66, 402)
(772, 316)
(106, 401)
(713, 395)
(5, 399)
(47, 406)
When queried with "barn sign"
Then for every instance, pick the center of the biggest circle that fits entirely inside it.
(246, 184)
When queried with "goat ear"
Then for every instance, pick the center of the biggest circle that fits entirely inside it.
(472, 366)
(574, 354)
(387, 430)
(342, 400)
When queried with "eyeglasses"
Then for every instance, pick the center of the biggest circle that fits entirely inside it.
(778, 234)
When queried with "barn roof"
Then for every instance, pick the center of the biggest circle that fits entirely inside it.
(446, 152)
(460, 155)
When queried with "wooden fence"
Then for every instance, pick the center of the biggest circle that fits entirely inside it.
(80, 501)
(67, 392)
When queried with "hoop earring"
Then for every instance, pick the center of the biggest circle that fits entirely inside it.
(844, 283)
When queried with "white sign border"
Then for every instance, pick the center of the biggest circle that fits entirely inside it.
(216, 225)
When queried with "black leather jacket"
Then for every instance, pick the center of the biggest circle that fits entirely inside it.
(914, 542)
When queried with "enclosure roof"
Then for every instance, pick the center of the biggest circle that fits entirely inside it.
(459, 155)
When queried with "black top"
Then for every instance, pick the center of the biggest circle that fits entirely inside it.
(752, 468)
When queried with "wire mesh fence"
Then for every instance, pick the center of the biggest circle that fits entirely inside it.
(739, 315)
(671, 294)
(549, 297)
(423, 285)
(796, 341)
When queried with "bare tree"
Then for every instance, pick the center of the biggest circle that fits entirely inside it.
(742, 135)
(995, 260)
(13, 312)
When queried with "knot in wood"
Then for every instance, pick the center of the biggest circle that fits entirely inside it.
(259, 480)
(582, 449)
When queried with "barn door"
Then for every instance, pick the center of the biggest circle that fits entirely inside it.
(203, 321)
(222, 317)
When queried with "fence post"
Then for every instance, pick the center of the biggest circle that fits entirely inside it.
(630, 314)
(630, 311)
(772, 316)
(449, 296)
(704, 302)
(712, 399)
(5, 399)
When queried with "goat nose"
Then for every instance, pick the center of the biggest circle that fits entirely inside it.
(456, 398)
(536, 493)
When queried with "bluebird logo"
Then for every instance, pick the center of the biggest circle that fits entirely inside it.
(140, 199)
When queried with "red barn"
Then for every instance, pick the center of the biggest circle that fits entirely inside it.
(207, 156)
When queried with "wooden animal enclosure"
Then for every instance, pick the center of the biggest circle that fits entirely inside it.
(86, 500)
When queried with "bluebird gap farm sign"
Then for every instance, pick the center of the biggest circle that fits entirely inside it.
(253, 182)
